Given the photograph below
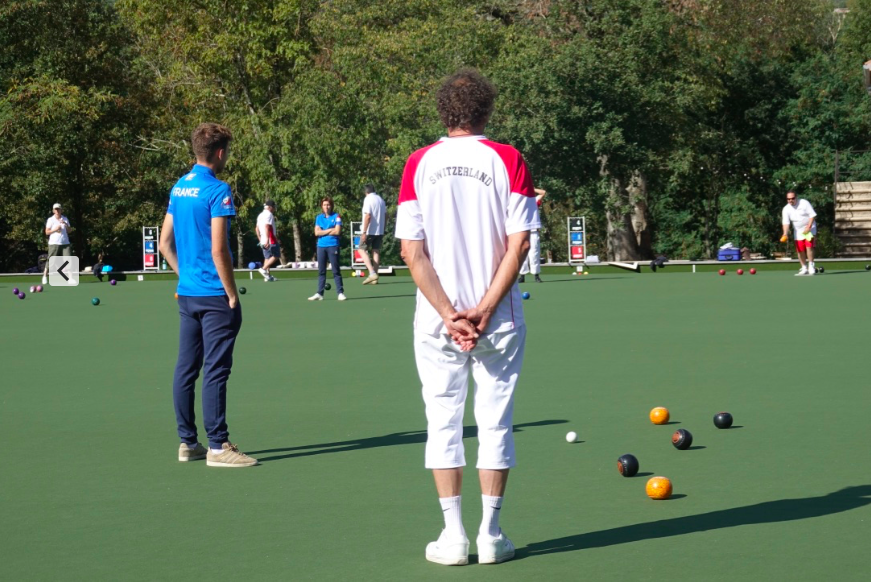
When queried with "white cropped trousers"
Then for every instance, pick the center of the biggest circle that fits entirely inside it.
(495, 365)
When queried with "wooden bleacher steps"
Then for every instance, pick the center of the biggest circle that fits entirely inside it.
(853, 218)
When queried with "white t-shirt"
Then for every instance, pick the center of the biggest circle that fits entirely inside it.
(374, 206)
(799, 216)
(267, 235)
(58, 238)
(463, 196)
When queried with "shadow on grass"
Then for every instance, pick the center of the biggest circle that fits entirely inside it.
(405, 281)
(782, 510)
(389, 440)
(576, 279)
(381, 297)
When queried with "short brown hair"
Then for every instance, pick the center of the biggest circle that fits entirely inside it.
(328, 199)
(465, 100)
(208, 138)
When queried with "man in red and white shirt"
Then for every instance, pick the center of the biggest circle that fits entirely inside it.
(466, 207)
(268, 239)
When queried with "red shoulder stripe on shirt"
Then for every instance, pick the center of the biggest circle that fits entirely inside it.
(518, 173)
(406, 189)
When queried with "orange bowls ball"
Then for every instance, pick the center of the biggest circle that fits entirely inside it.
(659, 415)
(659, 488)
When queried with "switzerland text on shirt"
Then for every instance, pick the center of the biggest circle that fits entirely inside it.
(464, 197)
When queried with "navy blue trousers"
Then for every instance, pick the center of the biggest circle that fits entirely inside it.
(330, 254)
(206, 340)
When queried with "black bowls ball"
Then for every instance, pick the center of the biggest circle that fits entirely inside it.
(627, 465)
(722, 420)
(682, 439)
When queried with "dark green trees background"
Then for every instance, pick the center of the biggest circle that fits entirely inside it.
(673, 125)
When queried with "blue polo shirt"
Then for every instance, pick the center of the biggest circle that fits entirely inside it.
(327, 222)
(195, 199)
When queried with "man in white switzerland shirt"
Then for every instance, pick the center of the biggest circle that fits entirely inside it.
(466, 207)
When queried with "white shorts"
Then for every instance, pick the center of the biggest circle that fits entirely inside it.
(495, 365)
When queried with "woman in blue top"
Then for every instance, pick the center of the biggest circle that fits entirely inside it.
(328, 226)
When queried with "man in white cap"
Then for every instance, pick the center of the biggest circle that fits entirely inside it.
(57, 229)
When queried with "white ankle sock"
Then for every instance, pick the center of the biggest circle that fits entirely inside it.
(490, 517)
(452, 510)
(216, 451)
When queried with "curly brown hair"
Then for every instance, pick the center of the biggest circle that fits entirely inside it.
(465, 100)
(208, 138)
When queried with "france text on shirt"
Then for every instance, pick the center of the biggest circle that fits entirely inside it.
(186, 192)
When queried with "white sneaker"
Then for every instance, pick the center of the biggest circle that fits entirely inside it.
(342, 297)
(316, 297)
(494, 550)
(812, 272)
(263, 272)
(44, 280)
(449, 552)
(802, 271)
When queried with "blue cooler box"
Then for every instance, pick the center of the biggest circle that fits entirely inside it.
(729, 255)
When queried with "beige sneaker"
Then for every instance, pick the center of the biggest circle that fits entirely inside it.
(231, 457)
(371, 279)
(185, 453)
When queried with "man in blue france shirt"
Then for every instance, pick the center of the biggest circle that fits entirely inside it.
(195, 242)
(328, 227)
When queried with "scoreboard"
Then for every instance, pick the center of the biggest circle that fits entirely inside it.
(577, 239)
(356, 257)
(150, 249)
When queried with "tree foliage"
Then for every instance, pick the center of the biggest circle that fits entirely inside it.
(673, 125)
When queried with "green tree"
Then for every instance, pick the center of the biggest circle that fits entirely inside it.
(71, 106)
(598, 94)
(231, 63)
